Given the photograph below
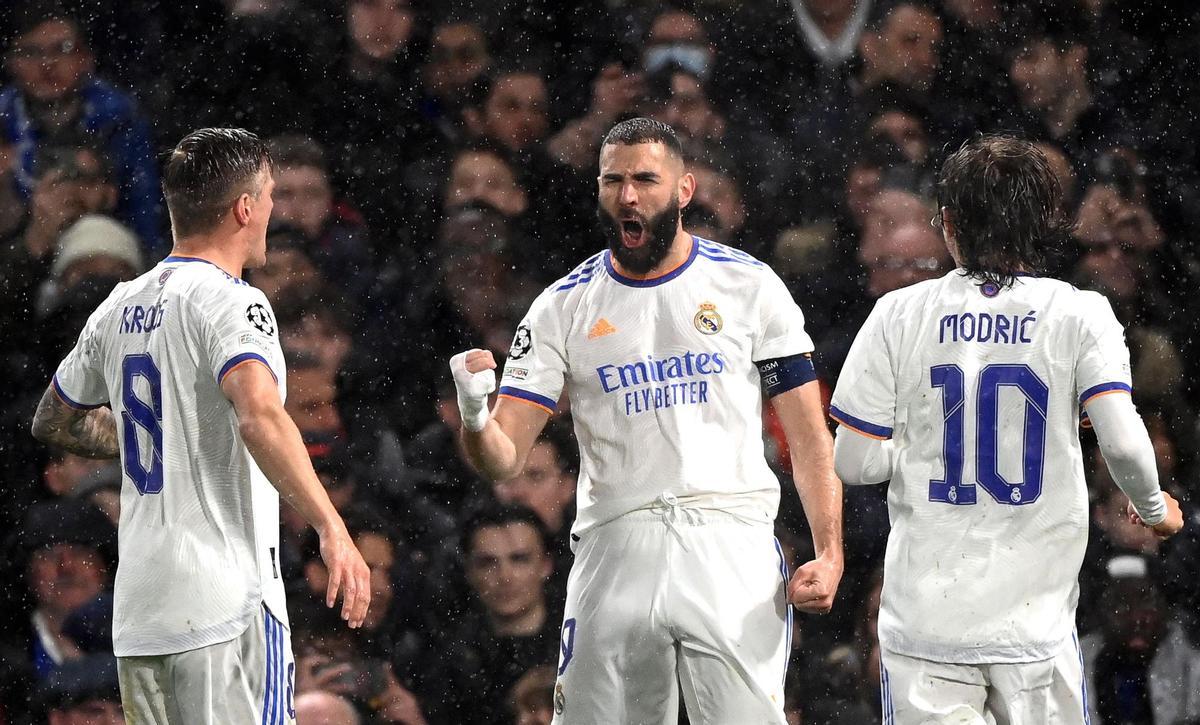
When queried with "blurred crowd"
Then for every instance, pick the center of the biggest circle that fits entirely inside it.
(435, 169)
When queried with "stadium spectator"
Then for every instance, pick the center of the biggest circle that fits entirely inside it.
(83, 692)
(55, 94)
(317, 707)
(532, 697)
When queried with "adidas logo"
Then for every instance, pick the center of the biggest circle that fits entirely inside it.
(601, 328)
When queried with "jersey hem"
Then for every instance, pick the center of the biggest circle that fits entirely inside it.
(950, 654)
(170, 645)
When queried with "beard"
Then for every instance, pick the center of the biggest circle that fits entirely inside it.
(657, 234)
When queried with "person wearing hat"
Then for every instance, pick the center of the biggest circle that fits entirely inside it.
(82, 691)
(96, 245)
(68, 548)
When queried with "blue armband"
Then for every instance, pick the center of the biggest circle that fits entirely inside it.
(781, 374)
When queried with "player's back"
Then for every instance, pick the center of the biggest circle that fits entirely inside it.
(199, 522)
(988, 500)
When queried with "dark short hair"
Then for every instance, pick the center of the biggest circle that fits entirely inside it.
(644, 130)
(206, 171)
(498, 515)
(1005, 204)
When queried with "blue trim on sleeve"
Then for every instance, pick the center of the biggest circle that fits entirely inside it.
(241, 358)
(1103, 388)
(654, 281)
(782, 374)
(526, 395)
(858, 423)
(71, 402)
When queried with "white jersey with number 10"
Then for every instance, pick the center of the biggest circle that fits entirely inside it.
(981, 388)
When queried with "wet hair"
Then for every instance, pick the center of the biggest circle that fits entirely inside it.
(206, 171)
(1005, 204)
(496, 515)
(644, 130)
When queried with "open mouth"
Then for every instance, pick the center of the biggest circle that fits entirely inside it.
(633, 234)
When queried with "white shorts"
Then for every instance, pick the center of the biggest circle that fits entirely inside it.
(673, 595)
(922, 692)
(249, 679)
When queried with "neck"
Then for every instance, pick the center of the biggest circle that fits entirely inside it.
(210, 249)
(681, 248)
(521, 624)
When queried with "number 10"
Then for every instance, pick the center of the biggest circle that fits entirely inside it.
(951, 380)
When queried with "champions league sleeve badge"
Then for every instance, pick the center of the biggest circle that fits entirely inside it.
(707, 320)
(257, 315)
(522, 342)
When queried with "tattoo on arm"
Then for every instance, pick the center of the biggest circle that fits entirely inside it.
(88, 433)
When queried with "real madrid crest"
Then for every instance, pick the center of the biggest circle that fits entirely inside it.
(707, 319)
(560, 699)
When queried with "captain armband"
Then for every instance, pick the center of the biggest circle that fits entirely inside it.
(782, 374)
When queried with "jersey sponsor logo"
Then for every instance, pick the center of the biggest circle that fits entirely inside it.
(681, 380)
(250, 338)
(707, 320)
(985, 327)
(516, 373)
(601, 328)
(258, 316)
(522, 342)
(142, 318)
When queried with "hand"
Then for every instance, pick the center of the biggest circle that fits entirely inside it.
(348, 573)
(318, 672)
(396, 704)
(1166, 528)
(814, 585)
(474, 374)
(615, 91)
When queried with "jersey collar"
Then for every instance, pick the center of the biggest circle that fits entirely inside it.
(652, 281)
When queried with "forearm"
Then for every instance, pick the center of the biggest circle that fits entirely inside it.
(1129, 454)
(820, 494)
(88, 433)
(275, 443)
(861, 460)
(492, 452)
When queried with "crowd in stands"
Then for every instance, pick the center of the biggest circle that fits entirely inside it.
(435, 166)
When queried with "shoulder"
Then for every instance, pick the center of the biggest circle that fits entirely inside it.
(583, 273)
(208, 288)
(730, 258)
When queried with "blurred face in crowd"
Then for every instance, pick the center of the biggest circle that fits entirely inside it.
(1061, 166)
(1042, 74)
(286, 272)
(862, 184)
(89, 712)
(64, 577)
(312, 398)
(95, 267)
(829, 8)
(904, 131)
(909, 254)
(906, 48)
(508, 568)
(303, 198)
(543, 486)
(514, 113)
(719, 192)
(678, 37)
(62, 474)
(642, 188)
(484, 176)
(1133, 624)
(379, 28)
(689, 111)
(1117, 234)
(1109, 515)
(319, 337)
(458, 55)
(50, 62)
(890, 209)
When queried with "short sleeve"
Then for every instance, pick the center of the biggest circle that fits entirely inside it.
(865, 397)
(79, 380)
(241, 328)
(781, 323)
(1102, 365)
(537, 362)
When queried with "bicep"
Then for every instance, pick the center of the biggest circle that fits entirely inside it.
(521, 421)
(250, 386)
(801, 415)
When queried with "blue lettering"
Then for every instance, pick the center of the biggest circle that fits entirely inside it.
(126, 325)
(966, 335)
(703, 384)
(675, 368)
(633, 374)
(720, 361)
(985, 333)
(139, 314)
(948, 323)
(602, 371)
(702, 363)
(1029, 319)
(1002, 325)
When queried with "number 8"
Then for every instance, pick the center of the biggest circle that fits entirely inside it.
(137, 413)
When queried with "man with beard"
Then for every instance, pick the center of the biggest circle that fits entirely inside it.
(667, 343)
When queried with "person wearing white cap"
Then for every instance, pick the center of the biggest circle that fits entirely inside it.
(96, 245)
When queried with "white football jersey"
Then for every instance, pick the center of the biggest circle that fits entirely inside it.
(981, 389)
(199, 530)
(664, 392)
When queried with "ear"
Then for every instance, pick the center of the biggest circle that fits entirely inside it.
(687, 189)
(243, 208)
